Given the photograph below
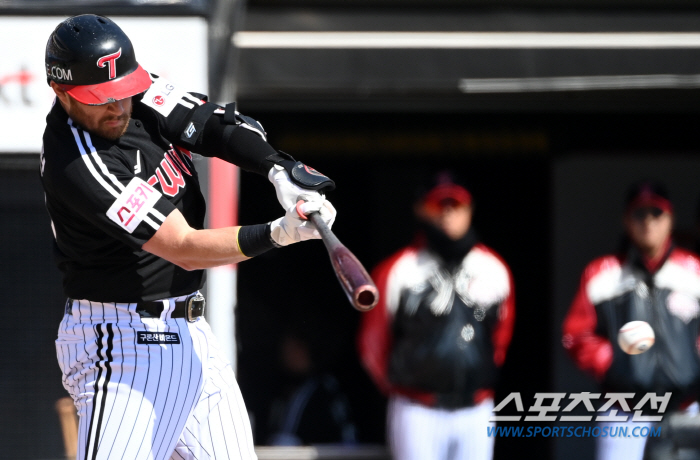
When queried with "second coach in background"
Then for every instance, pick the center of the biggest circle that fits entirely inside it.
(650, 280)
(440, 332)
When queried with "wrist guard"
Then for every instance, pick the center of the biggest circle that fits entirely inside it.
(253, 240)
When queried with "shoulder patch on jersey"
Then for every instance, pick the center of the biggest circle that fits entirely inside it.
(132, 205)
(162, 96)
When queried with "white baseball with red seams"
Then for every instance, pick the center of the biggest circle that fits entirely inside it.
(635, 337)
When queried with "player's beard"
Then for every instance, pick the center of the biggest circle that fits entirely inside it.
(108, 126)
(118, 131)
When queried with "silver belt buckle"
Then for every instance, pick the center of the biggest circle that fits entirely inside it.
(195, 307)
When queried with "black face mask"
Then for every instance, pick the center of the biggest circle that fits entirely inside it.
(450, 251)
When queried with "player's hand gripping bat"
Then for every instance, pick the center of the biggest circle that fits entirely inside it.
(354, 279)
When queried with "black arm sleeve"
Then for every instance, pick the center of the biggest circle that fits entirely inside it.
(243, 144)
(189, 121)
(236, 144)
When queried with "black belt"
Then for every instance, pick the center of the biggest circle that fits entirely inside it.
(190, 308)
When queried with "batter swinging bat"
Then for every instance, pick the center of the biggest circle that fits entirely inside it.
(354, 279)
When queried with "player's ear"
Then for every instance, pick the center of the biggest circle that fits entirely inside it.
(61, 94)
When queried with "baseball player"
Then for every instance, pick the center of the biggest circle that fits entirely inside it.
(127, 214)
(440, 331)
(650, 280)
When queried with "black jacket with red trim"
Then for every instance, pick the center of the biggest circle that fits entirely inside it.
(438, 336)
(617, 289)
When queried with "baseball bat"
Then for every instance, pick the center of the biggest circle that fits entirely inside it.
(354, 279)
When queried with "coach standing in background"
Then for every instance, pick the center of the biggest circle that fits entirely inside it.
(440, 332)
(650, 280)
(138, 357)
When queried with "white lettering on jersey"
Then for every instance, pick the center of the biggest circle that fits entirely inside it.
(162, 96)
(132, 205)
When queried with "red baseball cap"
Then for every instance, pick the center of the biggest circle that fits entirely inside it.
(648, 194)
(445, 192)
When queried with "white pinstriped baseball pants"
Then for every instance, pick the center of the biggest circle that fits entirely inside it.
(150, 401)
(418, 432)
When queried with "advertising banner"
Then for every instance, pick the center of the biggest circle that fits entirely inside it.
(172, 47)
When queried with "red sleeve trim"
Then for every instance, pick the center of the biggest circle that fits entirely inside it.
(591, 353)
(503, 330)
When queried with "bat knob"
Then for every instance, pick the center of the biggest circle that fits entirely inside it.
(302, 216)
(365, 297)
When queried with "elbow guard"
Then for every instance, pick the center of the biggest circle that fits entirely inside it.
(187, 125)
(235, 118)
(184, 117)
(192, 127)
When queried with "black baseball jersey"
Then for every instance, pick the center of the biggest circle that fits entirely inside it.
(107, 198)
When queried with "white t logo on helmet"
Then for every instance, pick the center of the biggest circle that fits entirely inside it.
(110, 60)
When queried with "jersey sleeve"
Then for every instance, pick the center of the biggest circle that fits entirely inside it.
(189, 121)
(591, 352)
(104, 192)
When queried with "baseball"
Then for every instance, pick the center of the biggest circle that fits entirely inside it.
(635, 337)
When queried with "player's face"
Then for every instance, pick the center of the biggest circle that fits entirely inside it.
(453, 220)
(108, 120)
(649, 228)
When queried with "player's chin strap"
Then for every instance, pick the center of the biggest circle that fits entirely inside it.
(304, 176)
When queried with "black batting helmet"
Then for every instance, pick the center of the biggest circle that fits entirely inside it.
(94, 61)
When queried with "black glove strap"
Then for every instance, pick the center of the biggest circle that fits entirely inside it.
(189, 136)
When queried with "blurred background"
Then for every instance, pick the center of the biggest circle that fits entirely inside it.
(548, 108)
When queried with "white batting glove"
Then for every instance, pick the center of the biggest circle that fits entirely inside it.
(292, 228)
(286, 190)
